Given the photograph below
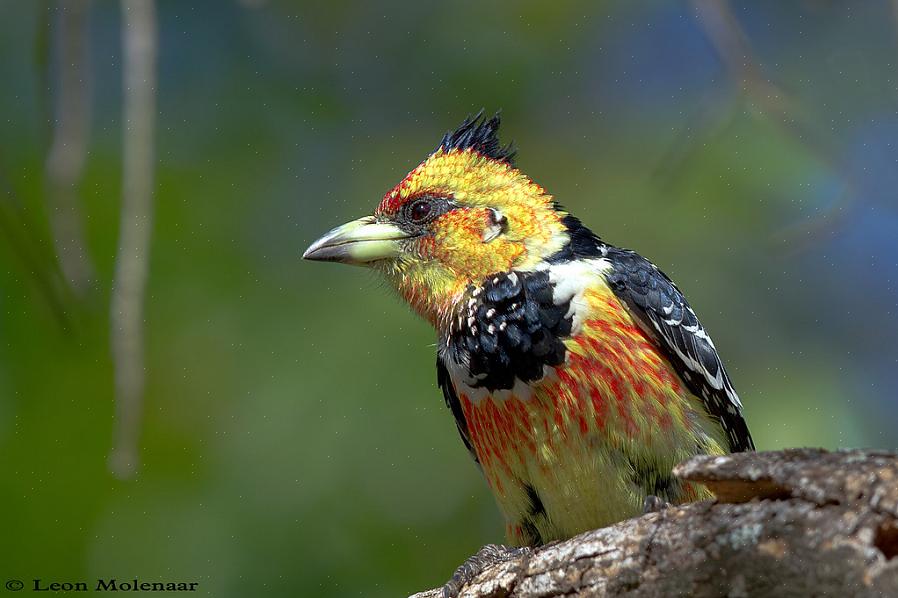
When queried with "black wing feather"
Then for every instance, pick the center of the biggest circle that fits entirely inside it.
(445, 383)
(656, 301)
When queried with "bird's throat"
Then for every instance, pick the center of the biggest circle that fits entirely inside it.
(432, 294)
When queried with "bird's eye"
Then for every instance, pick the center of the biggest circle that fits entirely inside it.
(420, 210)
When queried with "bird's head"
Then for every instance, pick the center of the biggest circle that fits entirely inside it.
(464, 213)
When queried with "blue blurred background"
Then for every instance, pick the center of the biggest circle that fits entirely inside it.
(293, 441)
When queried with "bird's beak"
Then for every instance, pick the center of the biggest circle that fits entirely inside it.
(359, 242)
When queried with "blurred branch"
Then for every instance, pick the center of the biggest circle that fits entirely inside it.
(714, 116)
(132, 260)
(799, 522)
(68, 149)
(895, 12)
(42, 35)
(732, 45)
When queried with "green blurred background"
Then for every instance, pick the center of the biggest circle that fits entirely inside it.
(293, 439)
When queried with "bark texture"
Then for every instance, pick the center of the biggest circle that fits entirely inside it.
(801, 522)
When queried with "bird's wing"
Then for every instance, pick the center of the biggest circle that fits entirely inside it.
(662, 310)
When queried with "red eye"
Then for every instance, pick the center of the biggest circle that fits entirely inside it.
(420, 210)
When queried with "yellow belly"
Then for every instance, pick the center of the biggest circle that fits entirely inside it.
(595, 437)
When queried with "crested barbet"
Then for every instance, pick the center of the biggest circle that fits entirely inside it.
(577, 373)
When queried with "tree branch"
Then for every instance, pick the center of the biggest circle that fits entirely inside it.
(68, 150)
(791, 523)
(132, 260)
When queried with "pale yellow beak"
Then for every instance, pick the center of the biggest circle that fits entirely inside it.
(359, 242)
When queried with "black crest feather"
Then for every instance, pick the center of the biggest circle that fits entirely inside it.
(481, 135)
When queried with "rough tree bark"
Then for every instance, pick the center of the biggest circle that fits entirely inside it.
(801, 522)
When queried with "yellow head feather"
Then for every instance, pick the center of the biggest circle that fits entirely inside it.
(499, 220)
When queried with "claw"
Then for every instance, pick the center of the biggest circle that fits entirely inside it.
(476, 564)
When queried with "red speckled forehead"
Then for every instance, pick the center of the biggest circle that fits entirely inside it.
(391, 202)
(461, 174)
(402, 193)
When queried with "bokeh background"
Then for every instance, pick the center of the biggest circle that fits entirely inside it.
(292, 438)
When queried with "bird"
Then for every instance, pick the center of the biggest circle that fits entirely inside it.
(576, 372)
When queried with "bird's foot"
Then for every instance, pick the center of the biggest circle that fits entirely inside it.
(478, 563)
(654, 504)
